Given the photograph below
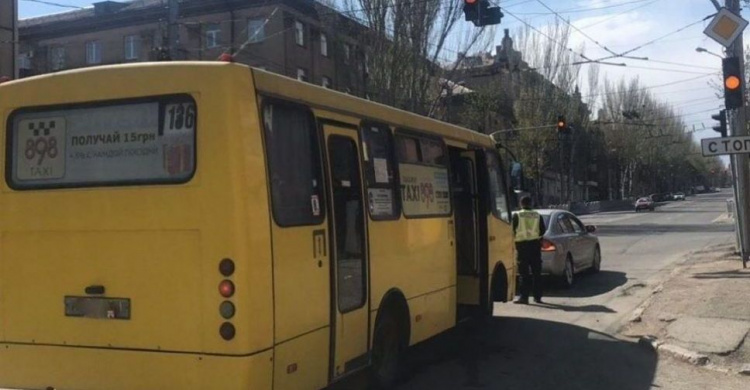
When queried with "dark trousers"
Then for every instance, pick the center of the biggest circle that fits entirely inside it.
(529, 258)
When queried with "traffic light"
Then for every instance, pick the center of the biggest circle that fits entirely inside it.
(722, 118)
(562, 125)
(471, 10)
(480, 13)
(733, 85)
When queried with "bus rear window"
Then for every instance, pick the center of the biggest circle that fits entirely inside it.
(143, 141)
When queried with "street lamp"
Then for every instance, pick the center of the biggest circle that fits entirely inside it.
(703, 50)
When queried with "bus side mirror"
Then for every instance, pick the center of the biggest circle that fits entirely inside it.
(516, 176)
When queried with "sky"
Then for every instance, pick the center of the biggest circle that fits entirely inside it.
(619, 25)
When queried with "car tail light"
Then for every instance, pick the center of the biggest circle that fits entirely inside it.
(548, 246)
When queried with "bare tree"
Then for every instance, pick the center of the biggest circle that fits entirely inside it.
(406, 40)
(548, 89)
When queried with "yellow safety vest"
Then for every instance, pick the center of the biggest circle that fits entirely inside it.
(528, 226)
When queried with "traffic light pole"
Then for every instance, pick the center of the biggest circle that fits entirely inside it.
(740, 161)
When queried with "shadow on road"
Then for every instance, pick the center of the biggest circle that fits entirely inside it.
(723, 275)
(587, 285)
(646, 229)
(684, 211)
(581, 309)
(521, 353)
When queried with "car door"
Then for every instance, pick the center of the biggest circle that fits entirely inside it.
(563, 233)
(575, 241)
(587, 241)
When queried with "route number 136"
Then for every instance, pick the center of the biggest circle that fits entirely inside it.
(179, 117)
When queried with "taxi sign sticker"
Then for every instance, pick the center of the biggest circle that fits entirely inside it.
(41, 146)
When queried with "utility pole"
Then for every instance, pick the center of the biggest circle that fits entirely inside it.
(740, 161)
(173, 28)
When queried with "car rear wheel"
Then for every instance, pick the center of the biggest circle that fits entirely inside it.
(568, 276)
(596, 264)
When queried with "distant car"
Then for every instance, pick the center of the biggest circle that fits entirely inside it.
(679, 196)
(644, 204)
(568, 246)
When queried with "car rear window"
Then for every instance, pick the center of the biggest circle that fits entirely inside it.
(546, 222)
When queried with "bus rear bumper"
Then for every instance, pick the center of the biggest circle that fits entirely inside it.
(60, 367)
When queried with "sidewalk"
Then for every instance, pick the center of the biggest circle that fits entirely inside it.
(700, 314)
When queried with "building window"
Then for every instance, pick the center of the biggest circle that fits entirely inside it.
(256, 30)
(57, 58)
(326, 82)
(301, 74)
(323, 45)
(213, 34)
(347, 53)
(24, 61)
(299, 33)
(132, 47)
(93, 52)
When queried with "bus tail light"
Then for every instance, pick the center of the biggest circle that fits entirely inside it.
(548, 246)
(226, 267)
(226, 288)
(227, 331)
(227, 309)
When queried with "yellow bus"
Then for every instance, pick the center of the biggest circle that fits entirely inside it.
(212, 226)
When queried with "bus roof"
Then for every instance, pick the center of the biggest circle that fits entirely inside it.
(312, 95)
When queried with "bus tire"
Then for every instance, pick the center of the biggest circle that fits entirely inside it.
(390, 341)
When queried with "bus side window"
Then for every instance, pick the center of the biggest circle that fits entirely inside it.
(380, 173)
(498, 201)
(423, 175)
(293, 164)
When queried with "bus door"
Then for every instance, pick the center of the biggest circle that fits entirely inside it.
(349, 266)
(471, 289)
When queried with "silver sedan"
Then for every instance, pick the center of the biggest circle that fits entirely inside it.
(568, 246)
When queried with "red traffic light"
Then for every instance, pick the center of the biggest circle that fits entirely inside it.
(470, 2)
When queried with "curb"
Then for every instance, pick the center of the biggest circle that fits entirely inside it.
(686, 355)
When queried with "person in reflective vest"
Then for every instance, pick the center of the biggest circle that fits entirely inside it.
(528, 229)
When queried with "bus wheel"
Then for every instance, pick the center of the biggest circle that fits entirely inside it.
(387, 351)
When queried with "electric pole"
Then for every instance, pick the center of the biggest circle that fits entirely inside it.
(740, 161)
(174, 28)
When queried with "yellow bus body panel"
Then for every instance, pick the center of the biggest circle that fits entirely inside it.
(158, 245)
(32, 367)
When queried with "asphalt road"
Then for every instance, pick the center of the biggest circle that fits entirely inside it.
(566, 343)
(638, 250)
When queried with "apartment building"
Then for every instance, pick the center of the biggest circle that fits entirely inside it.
(303, 39)
(8, 16)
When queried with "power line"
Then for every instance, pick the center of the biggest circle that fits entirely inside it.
(585, 9)
(54, 4)
(547, 36)
(578, 30)
(666, 35)
(619, 14)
